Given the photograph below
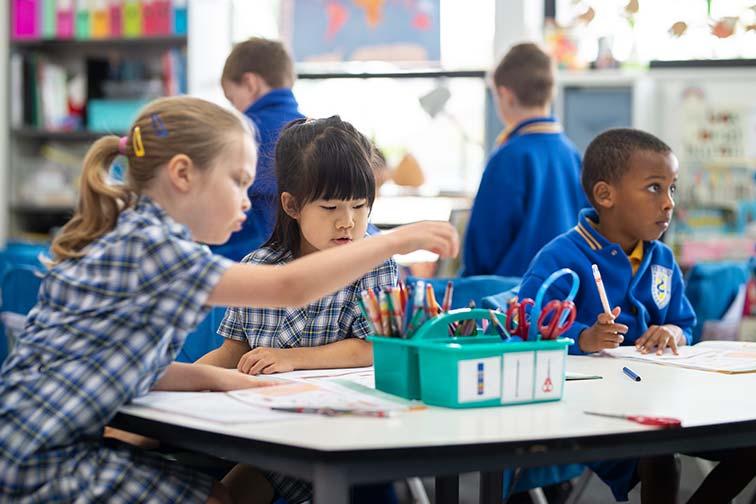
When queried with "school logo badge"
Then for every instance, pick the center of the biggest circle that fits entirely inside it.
(661, 284)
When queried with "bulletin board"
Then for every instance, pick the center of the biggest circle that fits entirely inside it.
(362, 30)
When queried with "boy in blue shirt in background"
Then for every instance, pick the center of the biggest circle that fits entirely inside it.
(257, 80)
(530, 190)
(629, 177)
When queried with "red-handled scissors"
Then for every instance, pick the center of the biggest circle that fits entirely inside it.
(555, 318)
(654, 421)
(517, 322)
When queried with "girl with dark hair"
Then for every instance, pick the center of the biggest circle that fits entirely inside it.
(326, 189)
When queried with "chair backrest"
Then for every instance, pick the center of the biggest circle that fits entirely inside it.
(19, 288)
(470, 288)
(204, 337)
(711, 288)
(500, 300)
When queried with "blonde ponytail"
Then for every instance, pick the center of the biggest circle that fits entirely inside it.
(100, 203)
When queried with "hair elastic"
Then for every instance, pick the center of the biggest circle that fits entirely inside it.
(136, 142)
(122, 142)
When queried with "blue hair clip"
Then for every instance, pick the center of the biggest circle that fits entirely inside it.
(158, 125)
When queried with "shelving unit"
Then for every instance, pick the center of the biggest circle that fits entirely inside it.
(43, 162)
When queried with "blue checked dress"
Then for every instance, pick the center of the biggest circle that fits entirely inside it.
(105, 328)
(330, 319)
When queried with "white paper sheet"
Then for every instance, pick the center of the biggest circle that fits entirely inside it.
(213, 406)
(721, 356)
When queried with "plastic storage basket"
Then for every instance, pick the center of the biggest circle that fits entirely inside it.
(469, 371)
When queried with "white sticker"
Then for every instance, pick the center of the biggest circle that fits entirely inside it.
(479, 379)
(549, 374)
(517, 384)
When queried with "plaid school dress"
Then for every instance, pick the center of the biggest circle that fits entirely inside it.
(330, 319)
(104, 329)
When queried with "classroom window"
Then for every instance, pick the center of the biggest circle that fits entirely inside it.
(646, 35)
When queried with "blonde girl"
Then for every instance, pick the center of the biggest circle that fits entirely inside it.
(127, 281)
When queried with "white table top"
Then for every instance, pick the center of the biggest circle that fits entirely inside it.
(695, 397)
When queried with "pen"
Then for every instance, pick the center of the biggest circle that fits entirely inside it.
(335, 411)
(629, 372)
(448, 293)
(601, 291)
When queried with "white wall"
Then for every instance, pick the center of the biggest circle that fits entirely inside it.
(4, 124)
(209, 42)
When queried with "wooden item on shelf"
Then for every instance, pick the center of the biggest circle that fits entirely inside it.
(408, 172)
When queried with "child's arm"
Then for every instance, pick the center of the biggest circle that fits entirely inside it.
(181, 376)
(316, 275)
(227, 355)
(351, 352)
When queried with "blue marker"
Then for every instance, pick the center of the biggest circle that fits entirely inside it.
(629, 372)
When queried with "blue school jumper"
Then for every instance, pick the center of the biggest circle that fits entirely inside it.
(654, 295)
(530, 193)
(105, 328)
(269, 114)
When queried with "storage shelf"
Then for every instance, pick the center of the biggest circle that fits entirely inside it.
(105, 43)
(41, 209)
(72, 136)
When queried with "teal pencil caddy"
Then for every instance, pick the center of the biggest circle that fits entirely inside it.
(469, 371)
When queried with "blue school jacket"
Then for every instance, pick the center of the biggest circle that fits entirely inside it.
(653, 296)
(529, 194)
(269, 114)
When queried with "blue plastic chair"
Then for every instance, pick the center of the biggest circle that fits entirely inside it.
(711, 289)
(474, 288)
(20, 287)
(204, 338)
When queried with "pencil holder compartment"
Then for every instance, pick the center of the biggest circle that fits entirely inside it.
(396, 360)
(469, 371)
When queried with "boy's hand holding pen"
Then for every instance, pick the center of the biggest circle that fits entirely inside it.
(605, 333)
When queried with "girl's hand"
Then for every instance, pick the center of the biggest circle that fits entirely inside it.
(264, 360)
(436, 236)
(603, 334)
(660, 337)
(231, 379)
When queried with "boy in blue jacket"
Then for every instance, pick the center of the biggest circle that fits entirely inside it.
(257, 79)
(629, 177)
(530, 190)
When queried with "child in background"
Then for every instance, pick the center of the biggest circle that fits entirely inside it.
(630, 178)
(530, 190)
(326, 190)
(257, 79)
(127, 283)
